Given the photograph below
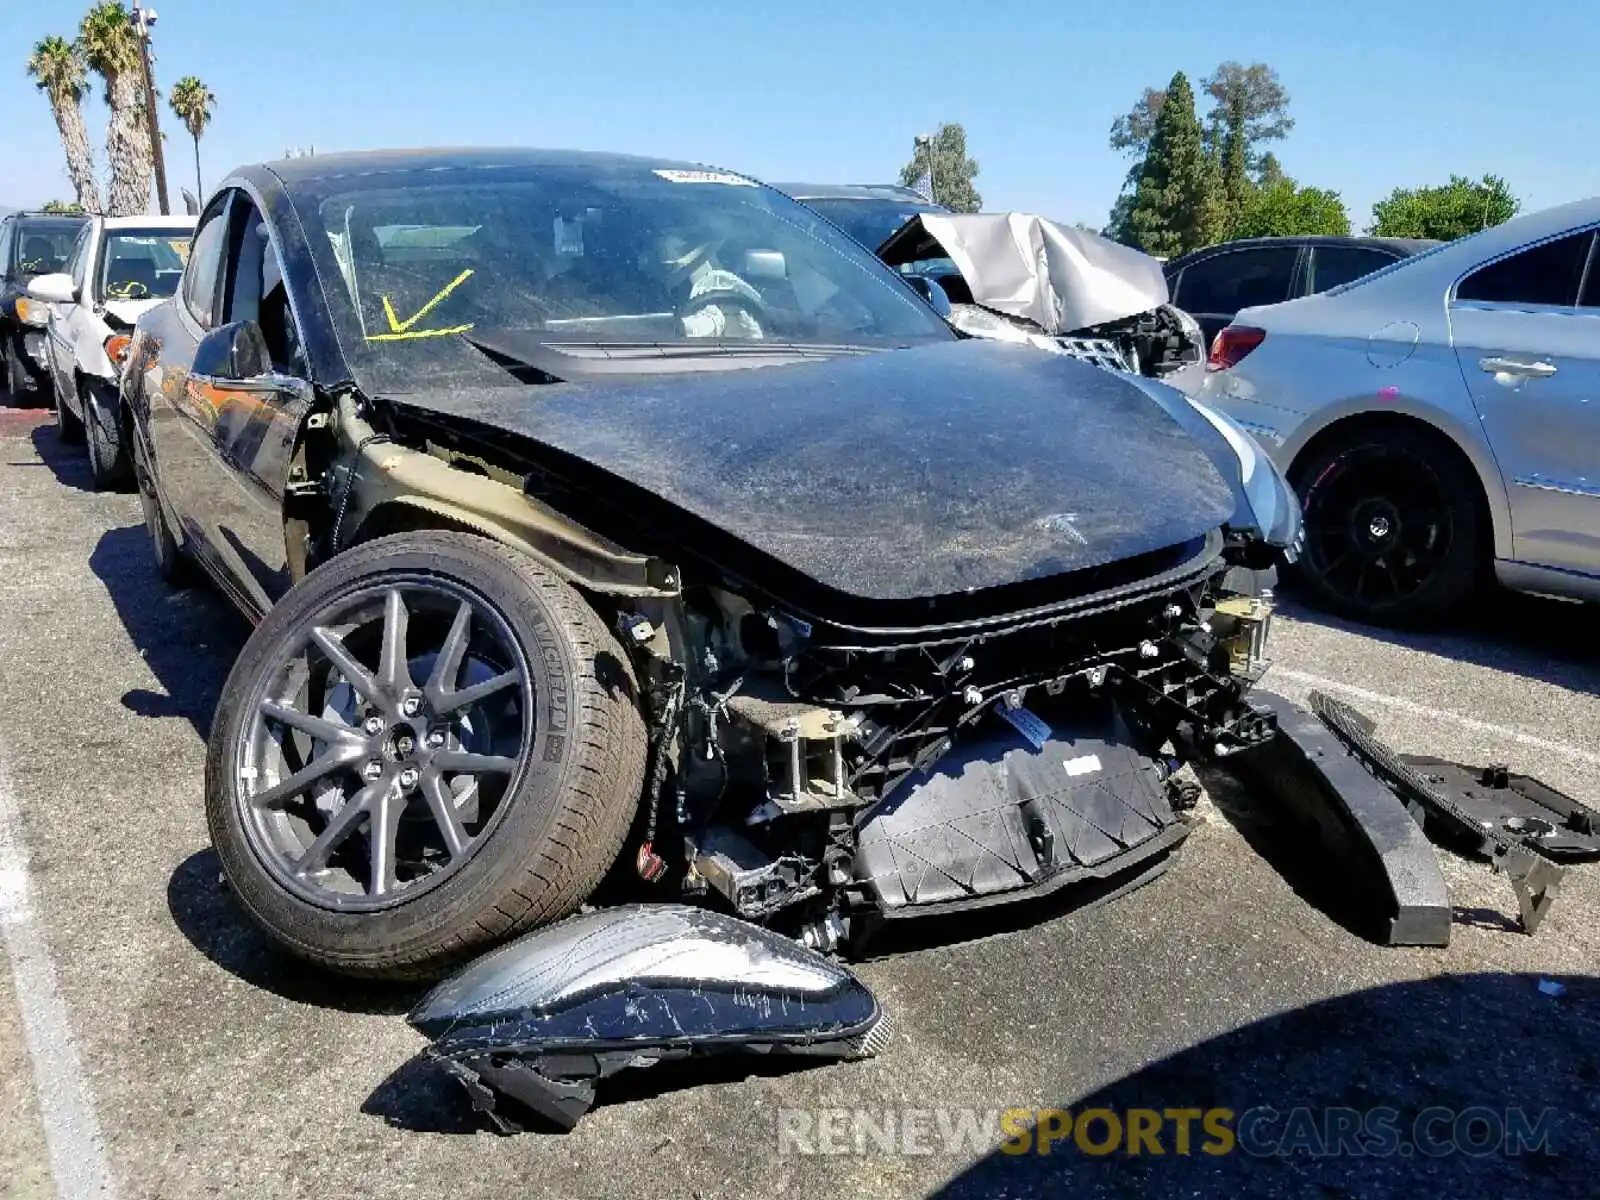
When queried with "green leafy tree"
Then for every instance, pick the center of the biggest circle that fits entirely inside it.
(109, 45)
(1232, 173)
(1270, 170)
(1281, 209)
(65, 207)
(1176, 205)
(953, 172)
(58, 70)
(1250, 105)
(1459, 207)
(193, 102)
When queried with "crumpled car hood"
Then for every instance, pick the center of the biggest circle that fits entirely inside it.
(888, 476)
(1060, 278)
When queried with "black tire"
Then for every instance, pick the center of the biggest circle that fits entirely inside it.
(19, 382)
(171, 564)
(68, 427)
(109, 466)
(565, 809)
(1394, 522)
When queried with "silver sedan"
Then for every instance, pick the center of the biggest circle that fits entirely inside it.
(1439, 418)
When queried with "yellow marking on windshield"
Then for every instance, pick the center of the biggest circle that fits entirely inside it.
(406, 335)
(396, 325)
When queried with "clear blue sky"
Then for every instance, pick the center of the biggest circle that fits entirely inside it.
(1383, 94)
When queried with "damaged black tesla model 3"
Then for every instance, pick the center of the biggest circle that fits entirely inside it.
(599, 511)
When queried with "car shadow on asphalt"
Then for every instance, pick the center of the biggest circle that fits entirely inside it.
(204, 909)
(69, 464)
(188, 637)
(1534, 636)
(1416, 1088)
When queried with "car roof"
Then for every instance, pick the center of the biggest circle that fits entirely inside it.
(148, 222)
(853, 191)
(357, 163)
(1535, 227)
(1401, 245)
(38, 218)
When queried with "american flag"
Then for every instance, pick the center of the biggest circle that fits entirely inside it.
(924, 186)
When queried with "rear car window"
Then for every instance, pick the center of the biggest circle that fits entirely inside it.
(43, 249)
(1227, 282)
(1548, 273)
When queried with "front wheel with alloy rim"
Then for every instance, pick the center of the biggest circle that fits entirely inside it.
(427, 746)
(1393, 525)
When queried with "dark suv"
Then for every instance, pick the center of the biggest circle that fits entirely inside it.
(1213, 283)
(30, 244)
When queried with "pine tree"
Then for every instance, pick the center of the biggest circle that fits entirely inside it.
(1177, 205)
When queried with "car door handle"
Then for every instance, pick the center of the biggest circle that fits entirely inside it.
(1517, 367)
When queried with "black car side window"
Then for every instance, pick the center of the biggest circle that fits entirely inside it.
(1237, 279)
(6, 229)
(1548, 273)
(201, 276)
(256, 290)
(1333, 265)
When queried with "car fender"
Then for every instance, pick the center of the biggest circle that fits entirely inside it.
(1393, 401)
(89, 349)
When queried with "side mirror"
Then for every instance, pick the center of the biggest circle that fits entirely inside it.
(53, 289)
(930, 291)
(233, 353)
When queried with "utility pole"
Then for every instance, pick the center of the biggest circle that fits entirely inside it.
(143, 19)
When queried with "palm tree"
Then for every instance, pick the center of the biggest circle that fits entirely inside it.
(58, 71)
(110, 46)
(193, 102)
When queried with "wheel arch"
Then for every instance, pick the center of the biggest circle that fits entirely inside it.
(414, 514)
(1494, 505)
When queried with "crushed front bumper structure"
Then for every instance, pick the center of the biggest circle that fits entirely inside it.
(531, 1029)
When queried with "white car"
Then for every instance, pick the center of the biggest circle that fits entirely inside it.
(1440, 418)
(118, 268)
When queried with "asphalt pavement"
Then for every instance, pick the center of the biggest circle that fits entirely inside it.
(152, 1044)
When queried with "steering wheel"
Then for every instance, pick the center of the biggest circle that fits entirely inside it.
(730, 302)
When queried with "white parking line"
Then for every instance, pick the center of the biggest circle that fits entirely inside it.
(72, 1133)
(1437, 714)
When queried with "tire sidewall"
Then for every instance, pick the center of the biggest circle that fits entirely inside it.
(1459, 572)
(369, 939)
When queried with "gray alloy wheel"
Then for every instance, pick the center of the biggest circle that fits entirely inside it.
(429, 744)
(414, 755)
